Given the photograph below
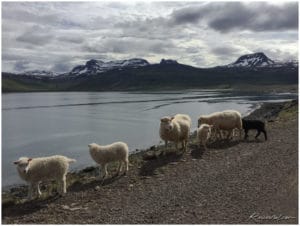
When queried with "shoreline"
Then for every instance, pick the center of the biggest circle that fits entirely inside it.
(215, 191)
(293, 88)
(7, 188)
(258, 110)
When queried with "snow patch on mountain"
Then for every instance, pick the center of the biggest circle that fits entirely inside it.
(98, 66)
(40, 73)
(252, 60)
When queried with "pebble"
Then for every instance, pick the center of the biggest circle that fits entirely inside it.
(97, 188)
(66, 207)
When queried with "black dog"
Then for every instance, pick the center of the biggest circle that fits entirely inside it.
(254, 124)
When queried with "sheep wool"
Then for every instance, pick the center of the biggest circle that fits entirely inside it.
(36, 170)
(225, 120)
(176, 129)
(104, 154)
(203, 134)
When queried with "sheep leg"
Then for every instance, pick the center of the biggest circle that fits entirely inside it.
(63, 185)
(100, 171)
(38, 190)
(229, 134)
(30, 187)
(126, 166)
(258, 133)
(176, 145)
(219, 134)
(204, 145)
(200, 143)
(265, 133)
(120, 167)
(105, 171)
(246, 134)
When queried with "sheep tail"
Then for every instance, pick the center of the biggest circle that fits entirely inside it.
(71, 160)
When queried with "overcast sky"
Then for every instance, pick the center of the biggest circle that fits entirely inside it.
(58, 36)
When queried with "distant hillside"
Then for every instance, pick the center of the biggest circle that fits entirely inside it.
(138, 74)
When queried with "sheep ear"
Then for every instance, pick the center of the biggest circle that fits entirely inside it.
(29, 159)
(89, 145)
(172, 118)
(16, 162)
(162, 119)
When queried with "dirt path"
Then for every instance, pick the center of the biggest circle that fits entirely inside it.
(237, 182)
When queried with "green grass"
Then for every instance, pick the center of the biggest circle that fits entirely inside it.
(289, 111)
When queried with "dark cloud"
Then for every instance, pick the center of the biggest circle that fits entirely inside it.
(224, 50)
(187, 15)
(71, 39)
(61, 67)
(260, 17)
(22, 65)
(36, 35)
(128, 45)
(35, 39)
(230, 16)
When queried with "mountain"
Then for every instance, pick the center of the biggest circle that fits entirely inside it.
(252, 60)
(169, 61)
(40, 73)
(138, 74)
(98, 66)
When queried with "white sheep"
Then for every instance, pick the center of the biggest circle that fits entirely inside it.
(226, 120)
(176, 129)
(204, 134)
(36, 170)
(103, 155)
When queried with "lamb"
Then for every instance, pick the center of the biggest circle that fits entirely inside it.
(176, 129)
(225, 120)
(103, 155)
(254, 124)
(36, 170)
(204, 134)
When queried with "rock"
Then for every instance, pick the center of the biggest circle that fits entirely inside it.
(149, 155)
(152, 148)
(97, 188)
(88, 169)
(66, 207)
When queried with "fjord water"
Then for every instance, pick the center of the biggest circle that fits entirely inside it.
(43, 124)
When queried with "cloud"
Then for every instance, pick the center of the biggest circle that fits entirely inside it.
(225, 50)
(128, 45)
(60, 35)
(237, 16)
(71, 39)
(187, 15)
(35, 38)
(61, 67)
(22, 65)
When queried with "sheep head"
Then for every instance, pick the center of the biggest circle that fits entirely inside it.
(92, 146)
(23, 164)
(166, 123)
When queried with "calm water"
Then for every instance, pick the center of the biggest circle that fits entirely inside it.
(42, 124)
